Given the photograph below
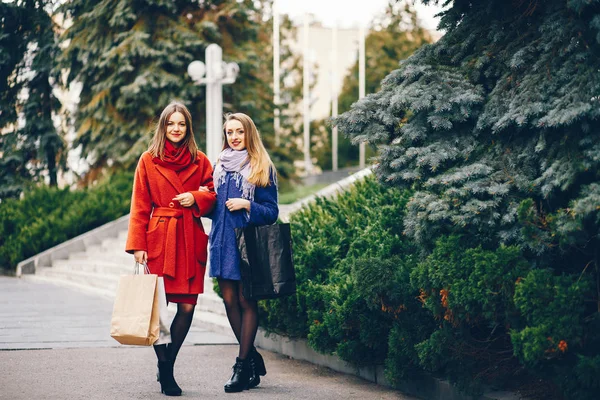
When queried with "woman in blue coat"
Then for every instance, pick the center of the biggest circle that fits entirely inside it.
(246, 185)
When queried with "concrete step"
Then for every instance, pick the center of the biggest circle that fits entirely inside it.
(120, 258)
(208, 284)
(84, 288)
(113, 245)
(213, 322)
(110, 247)
(122, 236)
(210, 302)
(93, 280)
(93, 266)
(79, 255)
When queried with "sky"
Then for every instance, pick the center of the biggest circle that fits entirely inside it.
(352, 12)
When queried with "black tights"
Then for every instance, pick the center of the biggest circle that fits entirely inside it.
(179, 329)
(242, 315)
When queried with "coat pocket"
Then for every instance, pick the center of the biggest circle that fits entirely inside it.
(156, 236)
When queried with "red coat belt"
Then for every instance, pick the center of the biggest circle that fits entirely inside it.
(174, 214)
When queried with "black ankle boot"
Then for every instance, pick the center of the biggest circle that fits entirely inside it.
(240, 378)
(254, 379)
(260, 363)
(168, 385)
(257, 368)
(158, 372)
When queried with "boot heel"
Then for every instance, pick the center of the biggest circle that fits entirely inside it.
(258, 362)
(254, 380)
(168, 386)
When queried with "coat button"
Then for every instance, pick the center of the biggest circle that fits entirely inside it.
(171, 204)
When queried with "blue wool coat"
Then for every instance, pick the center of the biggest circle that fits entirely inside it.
(224, 254)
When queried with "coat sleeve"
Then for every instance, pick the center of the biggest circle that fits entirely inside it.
(209, 215)
(264, 210)
(205, 201)
(141, 207)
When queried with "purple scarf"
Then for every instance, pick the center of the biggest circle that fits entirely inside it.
(237, 163)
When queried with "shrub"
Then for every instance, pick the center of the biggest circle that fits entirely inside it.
(470, 310)
(560, 337)
(469, 291)
(338, 245)
(495, 129)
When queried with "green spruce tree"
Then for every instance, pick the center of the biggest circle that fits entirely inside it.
(45, 144)
(31, 148)
(131, 58)
(496, 127)
(490, 115)
(12, 51)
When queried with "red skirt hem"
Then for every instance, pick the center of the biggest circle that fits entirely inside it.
(182, 298)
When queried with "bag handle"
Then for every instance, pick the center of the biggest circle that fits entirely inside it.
(136, 269)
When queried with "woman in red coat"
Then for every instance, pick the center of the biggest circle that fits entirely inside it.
(165, 230)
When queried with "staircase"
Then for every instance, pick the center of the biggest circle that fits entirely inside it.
(97, 268)
(94, 261)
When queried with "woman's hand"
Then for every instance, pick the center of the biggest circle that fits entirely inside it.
(185, 199)
(203, 189)
(140, 256)
(237, 204)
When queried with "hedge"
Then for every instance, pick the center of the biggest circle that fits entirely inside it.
(477, 314)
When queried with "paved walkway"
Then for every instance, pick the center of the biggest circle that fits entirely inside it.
(70, 355)
(44, 316)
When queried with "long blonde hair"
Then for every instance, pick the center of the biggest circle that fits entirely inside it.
(157, 146)
(260, 162)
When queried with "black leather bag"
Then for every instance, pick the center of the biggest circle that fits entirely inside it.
(266, 265)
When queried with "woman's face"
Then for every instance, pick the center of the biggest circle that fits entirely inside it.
(236, 137)
(176, 128)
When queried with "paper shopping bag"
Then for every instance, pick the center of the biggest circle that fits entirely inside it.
(164, 335)
(136, 312)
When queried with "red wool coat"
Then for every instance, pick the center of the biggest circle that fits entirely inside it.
(172, 235)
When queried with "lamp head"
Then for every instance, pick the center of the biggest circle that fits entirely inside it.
(196, 70)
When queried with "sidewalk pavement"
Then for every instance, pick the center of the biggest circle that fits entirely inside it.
(45, 316)
(70, 355)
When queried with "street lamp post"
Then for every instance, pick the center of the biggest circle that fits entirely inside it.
(334, 98)
(218, 73)
(361, 85)
(276, 63)
(308, 167)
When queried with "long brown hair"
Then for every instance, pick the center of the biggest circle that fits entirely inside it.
(157, 146)
(260, 162)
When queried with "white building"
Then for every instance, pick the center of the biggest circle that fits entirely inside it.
(320, 53)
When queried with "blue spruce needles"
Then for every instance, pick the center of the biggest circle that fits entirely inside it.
(504, 108)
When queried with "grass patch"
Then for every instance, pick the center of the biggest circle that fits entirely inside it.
(292, 194)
